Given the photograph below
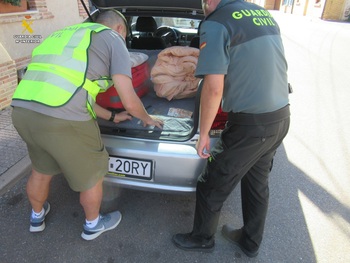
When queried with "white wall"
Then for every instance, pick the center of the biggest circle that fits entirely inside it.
(65, 13)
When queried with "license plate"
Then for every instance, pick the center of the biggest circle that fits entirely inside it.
(128, 167)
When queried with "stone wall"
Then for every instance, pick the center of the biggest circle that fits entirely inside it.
(8, 78)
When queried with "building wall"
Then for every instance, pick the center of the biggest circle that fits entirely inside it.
(312, 8)
(21, 32)
(338, 10)
(334, 10)
(267, 4)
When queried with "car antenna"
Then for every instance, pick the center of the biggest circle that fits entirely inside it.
(86, 10)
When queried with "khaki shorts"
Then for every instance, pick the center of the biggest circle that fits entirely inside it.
(55, 146)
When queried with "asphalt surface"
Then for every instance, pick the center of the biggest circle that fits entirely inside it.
(309, 214)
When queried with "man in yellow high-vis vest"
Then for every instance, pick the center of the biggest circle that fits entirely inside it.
(54, 112)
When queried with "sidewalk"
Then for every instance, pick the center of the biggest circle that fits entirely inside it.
(14, 160)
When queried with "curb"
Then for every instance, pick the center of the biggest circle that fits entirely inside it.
(14, 174)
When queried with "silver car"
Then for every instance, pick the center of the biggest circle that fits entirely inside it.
(149, 158)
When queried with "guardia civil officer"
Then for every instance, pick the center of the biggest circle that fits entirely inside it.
(244, 68)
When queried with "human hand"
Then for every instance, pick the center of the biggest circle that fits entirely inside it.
(122, 116)
(203, 146)
(153, 121)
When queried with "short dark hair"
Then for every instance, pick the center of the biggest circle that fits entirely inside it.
(111, 17)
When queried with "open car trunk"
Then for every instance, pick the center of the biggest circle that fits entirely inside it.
(180, 116)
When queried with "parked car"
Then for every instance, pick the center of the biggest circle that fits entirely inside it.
(147, 158)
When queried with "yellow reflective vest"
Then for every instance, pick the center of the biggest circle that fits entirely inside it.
(59, 66)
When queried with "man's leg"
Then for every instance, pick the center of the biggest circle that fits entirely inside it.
(210, 197)
(255, 188)
(232, 157)
(255, 193)
(213, 188)
(255, 201)
(95, 223)
(38, 187)
(91, 200)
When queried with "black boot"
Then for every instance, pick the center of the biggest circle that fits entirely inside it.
(193, 243)
(235, 236)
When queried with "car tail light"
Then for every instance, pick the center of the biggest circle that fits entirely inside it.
(219, 122)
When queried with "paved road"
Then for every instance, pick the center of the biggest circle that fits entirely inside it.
(309, 216)
(318, 145)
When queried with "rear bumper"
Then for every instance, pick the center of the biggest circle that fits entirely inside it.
(176, 165)
(149, 187)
